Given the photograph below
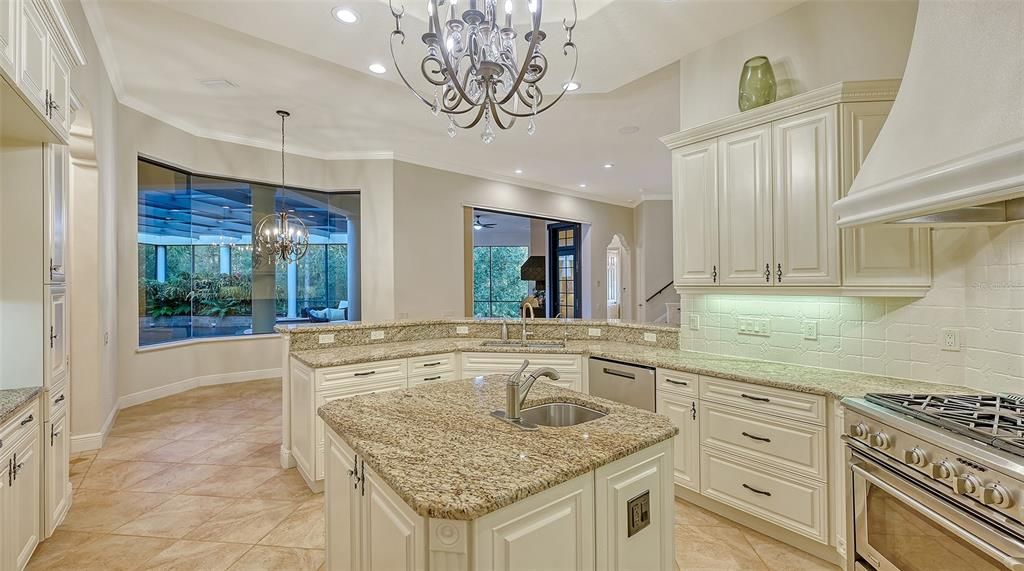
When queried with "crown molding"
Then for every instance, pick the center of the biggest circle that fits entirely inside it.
(66, 38)
(842, 92)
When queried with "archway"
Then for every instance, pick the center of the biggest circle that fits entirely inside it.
(617, 276)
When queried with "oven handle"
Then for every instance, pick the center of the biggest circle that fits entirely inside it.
(981, 545)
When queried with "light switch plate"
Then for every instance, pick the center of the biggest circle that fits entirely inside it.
(651, 337)
(325, 338)
(376, 335)
(462, 329)
(594, 332)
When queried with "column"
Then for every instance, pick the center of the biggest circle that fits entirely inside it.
(293, 289)
(353, 269)
(264, 296)
(225, 259)
(161, 264)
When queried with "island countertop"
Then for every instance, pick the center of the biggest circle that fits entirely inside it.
(439, 449)
(13, 399)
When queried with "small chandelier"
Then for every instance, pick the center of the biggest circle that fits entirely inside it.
(473, 64)
(279, 237)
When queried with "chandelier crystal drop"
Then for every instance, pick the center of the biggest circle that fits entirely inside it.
(478, 70)
(279, 237)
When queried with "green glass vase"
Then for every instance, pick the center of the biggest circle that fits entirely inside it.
(757, 83)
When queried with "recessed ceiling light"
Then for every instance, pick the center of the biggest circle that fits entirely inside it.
(583, 185)
(377, 68)
(345, 15)
(629, 130)
(519, 171)
(609, 165)
(571, 86)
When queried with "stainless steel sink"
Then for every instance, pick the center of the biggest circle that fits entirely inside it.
(527, 345)
(560, 414)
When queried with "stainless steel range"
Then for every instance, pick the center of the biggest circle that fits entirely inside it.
(937, 481)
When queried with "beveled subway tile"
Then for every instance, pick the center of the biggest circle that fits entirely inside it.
(262, 558)
(302, 528)
(104, 511)
(119, 474)
(185, 555)
(176, 517)
(244, 521)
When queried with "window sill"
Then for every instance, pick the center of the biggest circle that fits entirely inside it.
(188, 342)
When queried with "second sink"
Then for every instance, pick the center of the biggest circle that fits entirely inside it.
(560, 414)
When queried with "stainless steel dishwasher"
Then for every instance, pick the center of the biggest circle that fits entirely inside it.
(622, 382)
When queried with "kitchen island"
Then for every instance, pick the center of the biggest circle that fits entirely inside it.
(426, 478)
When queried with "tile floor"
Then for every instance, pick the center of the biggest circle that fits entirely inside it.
(192, 482)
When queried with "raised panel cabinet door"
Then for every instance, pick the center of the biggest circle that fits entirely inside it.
(56, 330)
(59, 84)
(56, 477)
(695, 214)
(394, 536)
(342, 505)
(686, 445)
(745, 207)
(57, 184)
(26, 492)
(878, 255)
(32, 73)
(806, 185)
(9, 49)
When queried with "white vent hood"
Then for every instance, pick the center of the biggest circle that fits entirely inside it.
(952, 150)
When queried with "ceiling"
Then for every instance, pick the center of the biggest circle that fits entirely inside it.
(295, 55)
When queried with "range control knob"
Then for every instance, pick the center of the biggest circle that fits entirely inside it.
(942, 470)
(915, 457)
(996, 495)
(859, 430)
(880, 440)
(967, 485)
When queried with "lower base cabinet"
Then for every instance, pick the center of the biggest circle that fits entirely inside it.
(20, 490)
(57, 465)
(578, 525)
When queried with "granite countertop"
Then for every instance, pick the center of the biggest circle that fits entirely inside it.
(438, 448)
(13, 399)
(306, 327)
(814, 380)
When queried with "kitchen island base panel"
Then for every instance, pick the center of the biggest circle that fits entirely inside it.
(369, 527)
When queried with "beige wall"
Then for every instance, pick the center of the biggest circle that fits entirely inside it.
(652, 242)
(428, 249)
(812, 45)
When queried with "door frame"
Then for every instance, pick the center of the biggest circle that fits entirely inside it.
(553, 252)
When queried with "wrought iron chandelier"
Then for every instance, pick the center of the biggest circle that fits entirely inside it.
(279, 237)
(473, 64)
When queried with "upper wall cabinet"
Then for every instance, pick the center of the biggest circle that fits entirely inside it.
(38, 50)
(753, 196)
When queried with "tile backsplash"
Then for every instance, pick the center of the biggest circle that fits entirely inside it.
(978, 293)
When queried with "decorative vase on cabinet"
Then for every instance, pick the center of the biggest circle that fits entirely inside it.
(757, 83)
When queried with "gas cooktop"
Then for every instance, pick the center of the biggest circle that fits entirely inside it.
(997, 420)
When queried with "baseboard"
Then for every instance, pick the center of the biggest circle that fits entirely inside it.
(94, 441)
(188, 384)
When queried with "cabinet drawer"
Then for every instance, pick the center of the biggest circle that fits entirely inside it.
(431, 363)
(571, 382)
(422, 377)
(510, 362)
(57, 399)
(792, 502)
(794, 446)
(767, 400)
(378, 371)
(677, 382)
(20, 425)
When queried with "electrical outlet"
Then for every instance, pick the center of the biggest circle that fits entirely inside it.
(376, 335)
(651, 337)
(594, 332)
(809, 329)
(950, 340)
(695, 321)
(462, 330)
(326, 338)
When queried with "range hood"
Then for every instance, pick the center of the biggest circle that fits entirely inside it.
(951, 152)
(533, 269)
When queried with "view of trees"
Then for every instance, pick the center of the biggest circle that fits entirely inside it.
(498, 290)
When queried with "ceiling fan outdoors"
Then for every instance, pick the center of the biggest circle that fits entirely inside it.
(478, 225)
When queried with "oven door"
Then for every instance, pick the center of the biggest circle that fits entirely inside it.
(903, 526)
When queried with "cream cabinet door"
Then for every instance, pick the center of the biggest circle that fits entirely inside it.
(878, 255)
(745, 207)
(342, 508)
(59, 84)
(686, 445)
(56, 479)
(26, 494)
(394, 536)
(695, 214)
(57, 166)
(57, 343)
(34, 55)
(9, 50)
(806, 185)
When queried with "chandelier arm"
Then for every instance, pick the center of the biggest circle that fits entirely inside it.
(398, 69)
(565, 89)
(443, 49)
(472, 123)
(497, 118)
(534, 40)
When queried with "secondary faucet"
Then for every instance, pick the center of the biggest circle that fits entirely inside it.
(525, 334)
(504, 330)
(516, 389)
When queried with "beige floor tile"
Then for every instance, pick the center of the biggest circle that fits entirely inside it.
(217, 431)
(177, 451)
(245, 521)
(108, 553)
(288, 485)
(187, 555)
(176, 517)
(59, 545)
(233, 481)
(261, 558)
(177, 478)
(781, 557)
(103, 510)
(80, 465)
(123, 448)
(267, 434)
(230, 454)
(718, 548)
(119, 474)
(690, 514)
(303, 528)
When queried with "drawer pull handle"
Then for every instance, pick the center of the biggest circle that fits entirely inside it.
(753, 398)
(680, 383)
(432, 364)
(756, 491)
(366, 374)
(27, 420)
(617, 373)
(58, 400)
(432, 378)
(758, 438)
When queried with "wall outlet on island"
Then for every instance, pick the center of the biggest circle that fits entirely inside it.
(651, 337)
(462, 330)
(326, 338)
(376, 335)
